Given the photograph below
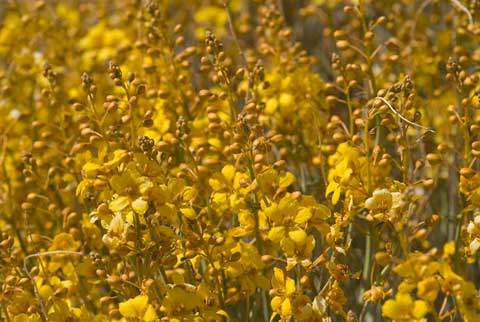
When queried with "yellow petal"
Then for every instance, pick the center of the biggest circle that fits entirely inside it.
(286, 180)
(285, 100)
(278, 278)
(189, 213)
(45, 291)
(286, 309)
(90, 169)
(275, 303)
(150, 315)
(289, 286)
(134, 308)
(190, 193)
(119, 204)
(428, 288)
(336, 196)
(271, 105)
(276, 234)
(322, 212)
(303, 216)
(449, 249)
(298, 236)
(420, 309)
(228, 172)
(216, 143)
(389, 309)
(140, 206)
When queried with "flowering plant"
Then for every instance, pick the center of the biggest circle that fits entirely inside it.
(238, 160)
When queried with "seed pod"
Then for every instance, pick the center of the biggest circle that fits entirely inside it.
(114, 279)
(383, 258)
(467, 172)
(433, 220)
(433, 158)
(476, 145)
(267, 259)
(476, 153)
(428, 183)
(342, 44)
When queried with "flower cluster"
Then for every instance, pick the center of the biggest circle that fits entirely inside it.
(236, 160)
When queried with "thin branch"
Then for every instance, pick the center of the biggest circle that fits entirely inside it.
(239, 48)
(35, 289)
(402, 117)
(460, 6)
(234, 34)
(417, 14)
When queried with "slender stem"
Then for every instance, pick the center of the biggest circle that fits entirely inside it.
(401, 116)
(35, 289)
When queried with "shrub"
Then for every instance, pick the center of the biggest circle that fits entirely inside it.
(241, 161)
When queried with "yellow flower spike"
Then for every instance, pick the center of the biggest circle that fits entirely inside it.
(195, 174)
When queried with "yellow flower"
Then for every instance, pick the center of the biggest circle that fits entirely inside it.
(184, 296)
(468, 302)
(138, 309)
(27, 318)
(347, 173)
(64, 241)
(428, 288)
(285, 288)
(403, 308)
(336, 297)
